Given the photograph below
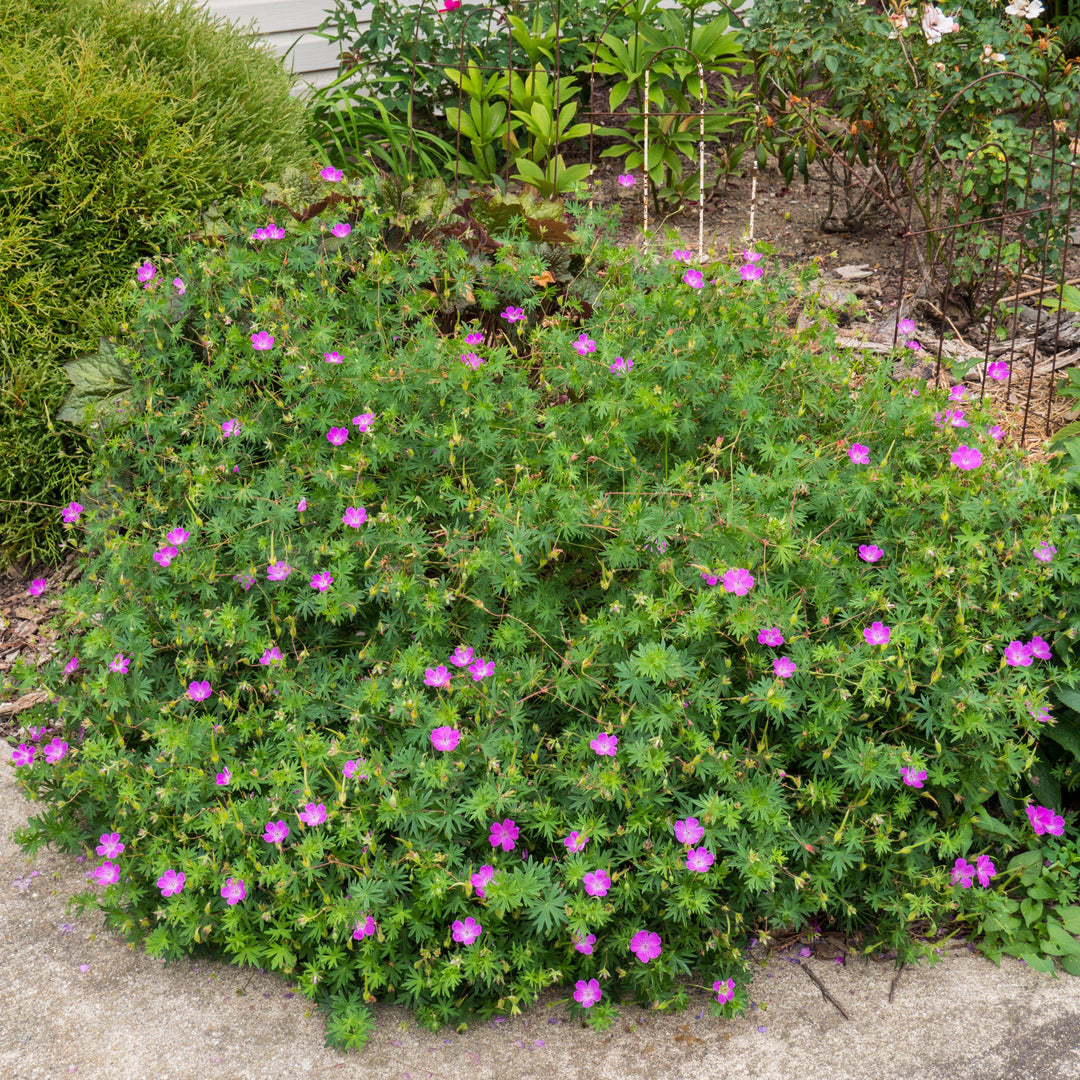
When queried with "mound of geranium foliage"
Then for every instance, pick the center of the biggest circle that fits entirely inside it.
(564, 647)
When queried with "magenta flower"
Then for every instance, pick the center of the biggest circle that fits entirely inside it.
(331, 175)
(999, 371)
(437, 676)
(709, 579)
(278, 571)
(481, 669)
(984, 870)
(23, 755)
(620, 366)
(860, 454)
(646, 946)
(771, 637)
(223, 778)
(70, 513)
(341, 229)
(37, 586)
(262, 341)
(171, 882)
(271, 656)
(269, 232)
(354, 516)
(108, 873)
(146, 273)
(462, 656)
(364, 929)
(738, 581)
(750, 272)
(1043, 820)
(906, 326)
(699, 860)
(1040, 649)
(481, 879)
(783, 667)
(1017, 654)
(468, 931)
(119, 664)
(956, 393)
(584, 944)
(475, 338)
(966, 457)
(694, 278)
(962, 873)
(178, 536)
(689, 831)
(363, 422)
(233, 890)
(110, 846)
(912, 777)
(996, 433)
(445, 738)
(164, 556)
(626, 179)
(605, 744)
(683, 255)
(349, 770)
(1043, 716)
(870, 553)
(877, 634)
(276, 831)
(752, 256)
(470, 359)
(575, 842)
(333, 357)
(596, 882)
(71, 666)
(504, 834)
(587, 994)
(337, 436)
(230, 428)
(301, 506)
(199, 691)
(584, 345)
(313, 814)
(725, 990)
(1044, 552)
(322, 581)
(512, 314)
(55, 750)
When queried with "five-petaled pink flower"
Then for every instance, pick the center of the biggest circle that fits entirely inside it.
(481, 879)
(699, 859)
(626, 179)
(689, 831)
(877, 634)
(276, 832)
(575, 842)
(313, 813)
(278, 571)
(350, 768)
(146, 273)
(870, 553)
(333, 357)
(171, 882)
(199, 691)
(725, 990)
(771, 637)
(271, 656)
(966, 457)
(584, 345)
(223, 778)
(119, 664)
(230, 428)
(913, 777)
(322, 581)
(437, 676)
(364, 928)
(23, 755)
(999, 370)
(164, 556)
(1040, 648)
(70, 513)
(363, 422)
(512, 314)
(55, 750)
(233, 890)
(475, 338)
(860, 454)
(341, 229)
(331, 175)
(445, 738)
(694, 278)
(1045, 552)
(738, 581)
(646, 946)
(471, 360)
(1044, 820)
(354, 516)
(110, 846)
(108, 873)
(596, 882)
(37, 586)
(605, 744)
(462, 656)
(620, 365)
(337, 436)
(71, 666)
(1017, 654)
(178, 536)
(504, 834)
(984, 870)
(587, 994)
(784, 667)
(481, 669)
(262, 341)
(683, 255)
(584, 944)
(750, 272)
(468, 931)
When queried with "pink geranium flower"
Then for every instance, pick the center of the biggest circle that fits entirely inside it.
(771, 637)
(445, 738)
(512, 314)
(108, 873)
(354, 516)
(178, 536)
(620, 366)
(1044, 820)
(278, 571)
(313, 814)
(23, 755)
(870, 553)
(110, 846)
(998, 370)
(783, 667)
(1017, 654)
(276, 832)
(262, 341)
(605, 744)
(70, 513)
(271, 656)
(694, 278)
(322, 581)
(462, 656)
(877, 634)
(481, 669)
(337, 436)
(468, 931)
(689, 831)
(860, 454)
(584, 944)
(626, 179)
(341, 229)
(471, 360)
(146, 273)
(55, 750)
(738, 581)
(71, 666)
(331, 175)
(333, 357)
(966, 457)
(437, 676)
(1044, 552)
(363, 422)
(199, 691)
(233, 891)
(646, 946)
(587, 994)
(504, 834)
(171, 882)
(596, 883)
(912, 777)
(699, 859)
(575, 842)
(364, 928)
(584, 345)
(481, 879)
(725, 990)
(37, 586)
(119, 664)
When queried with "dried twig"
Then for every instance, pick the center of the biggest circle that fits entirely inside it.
(895, 980)
(825, 993)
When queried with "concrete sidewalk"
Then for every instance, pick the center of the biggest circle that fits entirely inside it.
(75, 1002)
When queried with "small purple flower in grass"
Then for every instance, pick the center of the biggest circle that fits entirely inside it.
(752, 256)
(984, 870)
(1043, 820)
(333, 357)
(178, 536)
(584, 345)
(437, 676)
(1039, 648)
(322, 581)
(108, 873)
(996, 433)
(913, 777)
(199, 691)
(1042, 716)
(364, 928)
(575, 842)
(481, 669)
(699, 860)
(171, 882)
(466, 932)
(956, 393)
(337, 436)
(966, 457)
(626, 179)
(37, 586)
(278, 571)
(119, 664)
(70, 513)
(230, 428)
(683, 255)
(694, 278)
(587, 994)
(269, 232)
(301, 506)
(110, 846)
(55, 750)
(646, 946)
(223, 778)
(784, 667)
(620, 366)
(738, 581)
(906, 326)
(445, 738)
(233, 891)
(341, 229)
(276, 831)
(349, 770)
(584, 944)
(771, 637)
(271, 656)
(512, 314)
(999, 370)
(471, 360)
(146, 273)
(596, 882)
(725, 990)
(331, 175)
(963, 872)
(313, 814)
(363, 422)
(164, 556)
(262, 341)
(1017, 654)
(605, 745)
(481, 879)
(750, 272)
(462, 656)
(1044, 552)
(859, 454)
(504, 834)
(870, 553)
(23, 755)
(689, 831)
(877, 634)
(709, 579)
(475, 338)
(178, 284)
(354, 516)
(71, 666)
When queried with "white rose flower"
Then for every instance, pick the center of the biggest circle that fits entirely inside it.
(935, 24)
